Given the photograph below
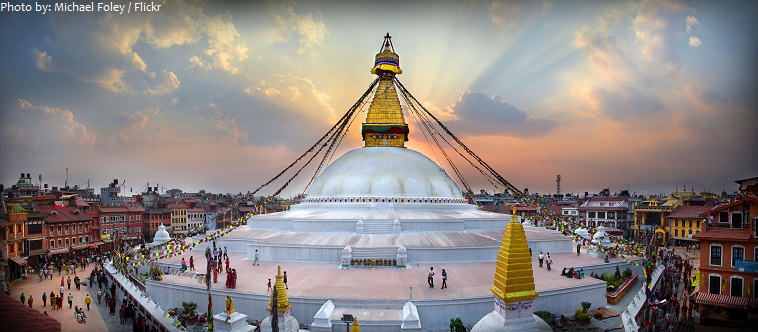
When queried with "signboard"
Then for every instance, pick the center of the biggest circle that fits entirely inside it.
(741, 265)
(646, 226)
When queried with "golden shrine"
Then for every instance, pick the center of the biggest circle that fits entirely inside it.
(283, 302)
(385, 124)
(514, 278)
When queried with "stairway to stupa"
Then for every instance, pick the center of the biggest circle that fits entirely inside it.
(378, 227)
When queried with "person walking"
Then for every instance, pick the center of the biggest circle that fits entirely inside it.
(52, 300)
(23, 298)
(192, 263)
(68, 281)
(70, 301)
(60, 302)
(184, 265)
(549, 262)
(255, 261)
(31, 300)
(44, 300)
(285, 280)
(227, 265)
(578, 248)
(540, 258)
(269, 284)
(444, 279)
(430, 277)
(99, 296)
(225, 255)
(62, 290)
(87, 301)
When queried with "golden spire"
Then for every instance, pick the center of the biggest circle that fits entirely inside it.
(283, 302)
(385, 124)
(514, 278)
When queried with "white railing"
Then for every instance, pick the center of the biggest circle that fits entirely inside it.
(629, 316)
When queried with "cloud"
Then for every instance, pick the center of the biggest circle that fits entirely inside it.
(131, 122)
(309, 29)
(478, 115)
(43, 61)
(168, 83)
(51, 126)
(296, 93)
(627, 104)
(114, 46)
(695, 42)
(691, 22)
(658, 30)
(606, 56)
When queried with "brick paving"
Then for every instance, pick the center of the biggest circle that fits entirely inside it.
(96, 321)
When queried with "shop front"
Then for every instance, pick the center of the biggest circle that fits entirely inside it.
(725, 310)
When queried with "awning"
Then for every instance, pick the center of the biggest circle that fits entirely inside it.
(19, 260)
(80, 247)
(59, 251)
(726, 301)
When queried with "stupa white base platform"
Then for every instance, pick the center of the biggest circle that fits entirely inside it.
(236, 322)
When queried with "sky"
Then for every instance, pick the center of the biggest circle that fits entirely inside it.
(221, 95)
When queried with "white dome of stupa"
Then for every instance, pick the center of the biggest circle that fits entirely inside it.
(161, 235)
(384, 172)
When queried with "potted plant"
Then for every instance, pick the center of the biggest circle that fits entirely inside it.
(581, 316)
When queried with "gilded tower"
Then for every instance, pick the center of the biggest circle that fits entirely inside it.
(385, 124)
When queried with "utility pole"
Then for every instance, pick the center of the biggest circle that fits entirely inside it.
(558, 180)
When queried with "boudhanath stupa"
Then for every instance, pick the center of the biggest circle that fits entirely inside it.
(373, 223)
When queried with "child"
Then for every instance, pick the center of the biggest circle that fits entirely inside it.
(269, 284)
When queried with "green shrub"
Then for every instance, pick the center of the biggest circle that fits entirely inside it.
(577, 312)
(456, 325)
(545, 315)
(582, 315)
(617, 275)
(627, 273)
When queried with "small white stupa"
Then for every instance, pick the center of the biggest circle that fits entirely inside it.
(602, 240)
(161, 236)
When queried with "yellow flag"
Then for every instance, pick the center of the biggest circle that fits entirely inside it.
(748, 289)
(696, 279)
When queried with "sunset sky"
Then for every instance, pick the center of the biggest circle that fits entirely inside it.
(221, 96)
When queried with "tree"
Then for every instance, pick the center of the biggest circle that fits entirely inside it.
(456, 325)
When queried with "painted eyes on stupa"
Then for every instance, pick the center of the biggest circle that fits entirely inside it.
(384, 136)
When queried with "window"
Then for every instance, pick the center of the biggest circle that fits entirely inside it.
(714, 284)
(755, 229)
(68, 243)
(736, 219)
(123, 229)
(736, 283)
(737, 253)
(723, 216)
(691, 224)
(35, 245)
(59, 243)
(716, 254)
(35, 229)
(755, 284)
(591, 214)
(60, 232)
(81, 238)
(52, 244)
(73, 241)
(698, 224)
(676, 232)
(80, 228)
(65, 228)
(105, 231)
(601, 214)
(676, 222)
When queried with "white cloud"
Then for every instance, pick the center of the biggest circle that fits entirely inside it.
(43, 61)
(695, 42)
(309, 29)
(658, 31)
(167, 83)
(131, 122)
(691, 22)
(54, 126)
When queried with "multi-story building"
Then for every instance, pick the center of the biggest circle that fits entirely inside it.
(195, 218)
(684, 222)
(179, 218)
(121, 221)
(153, 218)
(728, 251)
(34, 245)
(607, 211)
(66, 229)
(15, 235)
(653, 215)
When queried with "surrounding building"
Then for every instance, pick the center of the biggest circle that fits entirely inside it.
(728, 254)
(606, 211)
(179, 218)
(14, 238)
(123, 221)
(684, 222)
(67, 229)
